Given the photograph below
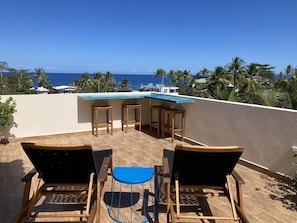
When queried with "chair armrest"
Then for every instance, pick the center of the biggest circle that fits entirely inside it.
(29, 175)
(166, 170)
(237, 177)
(27, 187)
(102, 175)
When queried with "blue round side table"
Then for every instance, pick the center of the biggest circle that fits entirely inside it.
(131, 175)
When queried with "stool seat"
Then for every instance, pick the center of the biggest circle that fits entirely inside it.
(133, 175)
(98, 122)
(170, 122)
(127, 119)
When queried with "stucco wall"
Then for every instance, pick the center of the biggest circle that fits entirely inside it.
(268, 134)
(47, 114)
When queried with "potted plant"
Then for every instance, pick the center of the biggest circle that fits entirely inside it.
(7, 109)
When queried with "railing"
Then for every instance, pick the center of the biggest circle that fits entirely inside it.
(268, 134)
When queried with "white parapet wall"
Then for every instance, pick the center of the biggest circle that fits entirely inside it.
(47, 114)
(268, 134)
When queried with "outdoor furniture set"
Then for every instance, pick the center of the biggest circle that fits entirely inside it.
(63, 182)
(167, 120)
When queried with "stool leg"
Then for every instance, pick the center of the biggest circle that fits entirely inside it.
(107, 120)
(122, 118)
(127, 116)
(111, 120)
(159, 122)
(97, 123)
(135, 115)
(140, 119)
(183, 126)
(92, 121)
(172, 128)
(163, 120)
(151, 120)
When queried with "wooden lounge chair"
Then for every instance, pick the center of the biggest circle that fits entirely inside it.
(192, 172)
(68, 183)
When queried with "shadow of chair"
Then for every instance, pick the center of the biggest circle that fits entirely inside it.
(65, 184)
(195, 173)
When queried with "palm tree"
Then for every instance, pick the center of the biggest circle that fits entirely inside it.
(24, 81)
(85, 83)
(218, 81)
(236, 68)
(289, 70)
(98, 80)
(203, 73)
(108, 82)
(252, 70)
(180, 79)
(124, 83)
(266, 73)
(161, 73)
(41, 78)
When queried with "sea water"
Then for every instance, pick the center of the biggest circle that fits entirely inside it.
(136, 80)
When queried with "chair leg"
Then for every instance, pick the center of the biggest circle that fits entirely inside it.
(177, 198)
(26, 193)
(35, 197)
(90, 191)
(231, 198)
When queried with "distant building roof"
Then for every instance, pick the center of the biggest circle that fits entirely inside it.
(40, 90)
(64, 89)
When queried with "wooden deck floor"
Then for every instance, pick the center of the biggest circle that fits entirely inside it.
(265, 198)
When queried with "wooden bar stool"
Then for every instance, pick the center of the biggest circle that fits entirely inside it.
(99, 123)
(125, 116)
(156, 123)
(169, 124)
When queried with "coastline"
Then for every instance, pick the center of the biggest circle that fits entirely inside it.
(136, 80)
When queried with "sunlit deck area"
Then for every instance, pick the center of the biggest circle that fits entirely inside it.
(266, 199)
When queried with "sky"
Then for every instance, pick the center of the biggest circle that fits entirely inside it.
(141, 36)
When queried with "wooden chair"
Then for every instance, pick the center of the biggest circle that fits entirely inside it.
(200, 171)
(68, 185)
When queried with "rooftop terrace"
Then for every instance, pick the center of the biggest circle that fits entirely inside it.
(268, 135)
(265, 198)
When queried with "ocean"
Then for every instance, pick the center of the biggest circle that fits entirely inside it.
(136, 80)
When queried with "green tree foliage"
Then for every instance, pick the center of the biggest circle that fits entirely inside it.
(7, 109)
(237, 81)
(14, 81)
(161, 73)
(181, 79)
(41, 78)
(18, 81)
(124, 83)
(96, 83)
(252, 83)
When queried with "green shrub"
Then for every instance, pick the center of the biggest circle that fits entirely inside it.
(7, 109)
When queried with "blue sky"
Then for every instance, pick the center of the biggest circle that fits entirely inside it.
(140, 36)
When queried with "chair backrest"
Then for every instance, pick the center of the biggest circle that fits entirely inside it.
(62, 163)
(204, 165)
